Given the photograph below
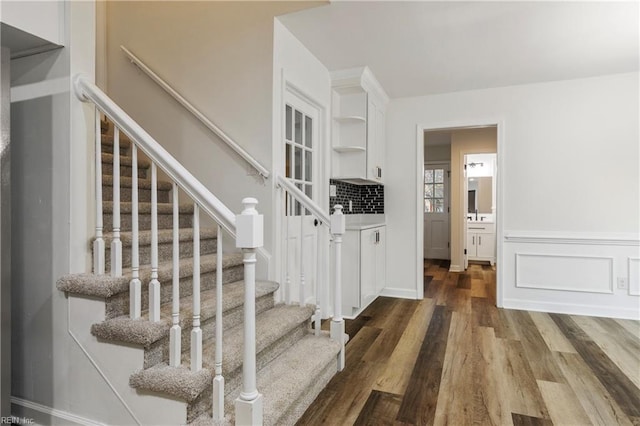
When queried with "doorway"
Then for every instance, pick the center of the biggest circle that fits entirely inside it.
(301, 166)
(457, 148)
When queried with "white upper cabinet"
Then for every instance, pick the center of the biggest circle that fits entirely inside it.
(358, 126)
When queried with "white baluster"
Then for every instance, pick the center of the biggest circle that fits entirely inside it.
(196, 332)
(175, 335)
(249, 236)
(302, 289)
(154, 285)
(337, 322)
(287, 218)
(218, 380)
(116, 244)
(135, 286)
(319, 286)
(98, 243)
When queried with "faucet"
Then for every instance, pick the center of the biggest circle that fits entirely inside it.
(476, 215)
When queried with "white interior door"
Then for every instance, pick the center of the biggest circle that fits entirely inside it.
(436, 211)
(302, 152)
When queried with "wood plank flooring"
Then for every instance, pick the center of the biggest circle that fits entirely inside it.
(453, 358)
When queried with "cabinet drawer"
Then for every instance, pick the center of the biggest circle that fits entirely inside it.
(481, 228)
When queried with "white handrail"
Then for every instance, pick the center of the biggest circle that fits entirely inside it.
(85, 90)
(193, 110)
(303, 199)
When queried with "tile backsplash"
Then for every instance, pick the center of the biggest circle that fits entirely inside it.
(366, 199)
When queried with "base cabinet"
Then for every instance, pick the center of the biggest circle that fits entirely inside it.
(481, 242)
(363, 268)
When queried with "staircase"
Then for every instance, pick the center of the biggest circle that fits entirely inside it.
(293, 365)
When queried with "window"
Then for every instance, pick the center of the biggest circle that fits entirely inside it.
(434, 190)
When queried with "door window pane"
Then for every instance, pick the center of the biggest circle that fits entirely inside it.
(439, 175)
(439, 205)
(287, 161)
(428, 176)
(288, 122)
(439, 190)
(298, 127)
(308, 164)
(297, 162)
(308, 130)
(427, 205)
(428, 191)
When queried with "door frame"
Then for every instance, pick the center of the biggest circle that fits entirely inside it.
(435, 163)
(499, 123)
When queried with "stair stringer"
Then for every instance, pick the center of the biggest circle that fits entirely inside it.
(111, 365)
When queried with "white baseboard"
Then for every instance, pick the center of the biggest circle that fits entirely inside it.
(399, 293)
(41, 414)
(572, 309)
(456, 268)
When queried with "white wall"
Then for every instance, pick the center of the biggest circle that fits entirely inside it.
(219, 56)
(294, 65)
(51, 152)
(583, 135)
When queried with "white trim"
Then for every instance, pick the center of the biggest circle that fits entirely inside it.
(53, 412)
(634, 287)
(419, 267)
(499, 123)
(40, 89)
(573, 309)
(569, 238)
(520, 284)
(399, 293)
(456, 268)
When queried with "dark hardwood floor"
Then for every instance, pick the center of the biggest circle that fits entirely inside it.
(454, 358)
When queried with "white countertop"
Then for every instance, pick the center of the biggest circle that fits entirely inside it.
(364, 221)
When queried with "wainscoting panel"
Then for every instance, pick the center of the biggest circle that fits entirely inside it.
(563, 272)
(571, 273)
(634, 276)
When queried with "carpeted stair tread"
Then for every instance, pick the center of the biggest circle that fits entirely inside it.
(270, 326)
(107, 158)
(145, 207)
(144, 333)
(285, 379)
(164, 236)
(107, 286)
(125, 182)
(179, 382)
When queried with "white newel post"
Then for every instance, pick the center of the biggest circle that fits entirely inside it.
(337, 322)
(249, 237)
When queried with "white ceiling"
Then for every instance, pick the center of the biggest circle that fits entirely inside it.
(422, 47)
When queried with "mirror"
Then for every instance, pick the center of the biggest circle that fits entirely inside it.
(480, 189)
